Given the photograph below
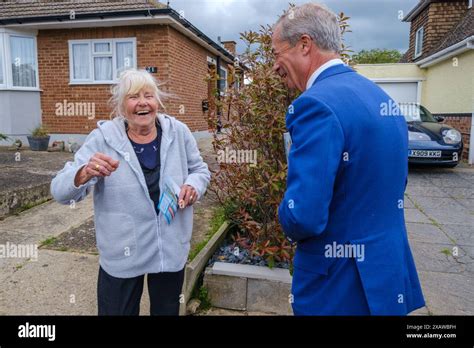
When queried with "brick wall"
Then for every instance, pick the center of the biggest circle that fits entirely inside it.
(419, 21)
(188, 70)
(463, 124)
(438, 18)
(181, 63)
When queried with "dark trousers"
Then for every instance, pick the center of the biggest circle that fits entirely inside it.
(121, 296)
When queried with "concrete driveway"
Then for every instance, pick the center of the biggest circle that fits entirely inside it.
(439, 213)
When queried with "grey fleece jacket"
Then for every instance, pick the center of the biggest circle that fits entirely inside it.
(131, 238)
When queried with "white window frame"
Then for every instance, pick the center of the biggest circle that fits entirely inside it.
(3, 84)
(111, 54)
(225, 80)
(469, 4)
(7, 62)
(71, 63)
(419, 42)
(92, 54)
(114, 56)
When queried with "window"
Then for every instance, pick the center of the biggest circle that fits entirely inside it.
(100, 61)
(18, 61)
(102, 56)
(222, 80)
(124, 57)
(237, 82)
(419, 42)
(470, 4)
(80, 58)
(23, 61)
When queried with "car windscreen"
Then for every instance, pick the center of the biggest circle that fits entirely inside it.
(416, 113)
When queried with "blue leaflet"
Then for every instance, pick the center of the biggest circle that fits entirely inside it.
(168, 204)
(287, 144)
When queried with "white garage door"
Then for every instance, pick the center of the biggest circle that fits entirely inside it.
(401, 92)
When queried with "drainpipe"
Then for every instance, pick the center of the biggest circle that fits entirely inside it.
(471, 141)
(219, 111)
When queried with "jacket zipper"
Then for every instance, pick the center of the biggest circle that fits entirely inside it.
(160, 239)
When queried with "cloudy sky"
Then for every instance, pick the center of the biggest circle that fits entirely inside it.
(374, 23)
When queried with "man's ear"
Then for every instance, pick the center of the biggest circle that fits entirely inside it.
(306, 43)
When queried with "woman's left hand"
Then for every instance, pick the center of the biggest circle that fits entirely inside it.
(187, 196)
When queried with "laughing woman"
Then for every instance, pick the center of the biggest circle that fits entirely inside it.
(127, 160)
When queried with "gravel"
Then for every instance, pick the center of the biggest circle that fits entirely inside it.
(231, 253)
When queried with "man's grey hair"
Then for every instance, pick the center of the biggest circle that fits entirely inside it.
(315, 20)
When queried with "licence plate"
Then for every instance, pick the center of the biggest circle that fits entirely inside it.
(424, 153)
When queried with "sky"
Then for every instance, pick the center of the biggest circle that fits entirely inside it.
(374, 23)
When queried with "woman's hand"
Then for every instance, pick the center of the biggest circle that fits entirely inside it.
(99, 165)
(187, 196)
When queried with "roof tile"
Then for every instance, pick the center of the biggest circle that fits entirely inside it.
(463, 30)
(40, 8)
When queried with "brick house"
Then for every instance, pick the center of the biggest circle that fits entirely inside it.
(437, 70)
(59, 59)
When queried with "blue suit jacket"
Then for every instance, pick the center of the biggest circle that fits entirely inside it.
(347, 172)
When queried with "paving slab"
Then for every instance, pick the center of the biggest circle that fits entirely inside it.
(461, 234)
(56, 284)
(407, 203)
(440, 202)
(448, 293)
(466, 203)
(426, 233)
(450, 181)
(414, 215)
(8, 235)
(433, 257)
(452, 216)
(47, 220)
(424, 191)
(461, 192)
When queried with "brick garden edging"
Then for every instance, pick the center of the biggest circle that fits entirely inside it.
(248, 287)
(196, 266)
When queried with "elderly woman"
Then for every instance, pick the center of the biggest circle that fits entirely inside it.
(129, 159)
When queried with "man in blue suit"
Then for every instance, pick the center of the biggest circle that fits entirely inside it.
(347, 172)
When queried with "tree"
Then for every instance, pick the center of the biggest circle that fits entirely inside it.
(377, 56)
(251, 192)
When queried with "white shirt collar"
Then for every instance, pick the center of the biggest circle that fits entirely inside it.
(323, 67)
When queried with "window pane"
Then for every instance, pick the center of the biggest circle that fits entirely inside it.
(80, 62)
(222, 80)
(103, 68)
(125, 59)
(419, 41)
(23, 60)
(102, 47)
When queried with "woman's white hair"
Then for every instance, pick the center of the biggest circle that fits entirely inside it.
(132, 81)
(315, 20)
